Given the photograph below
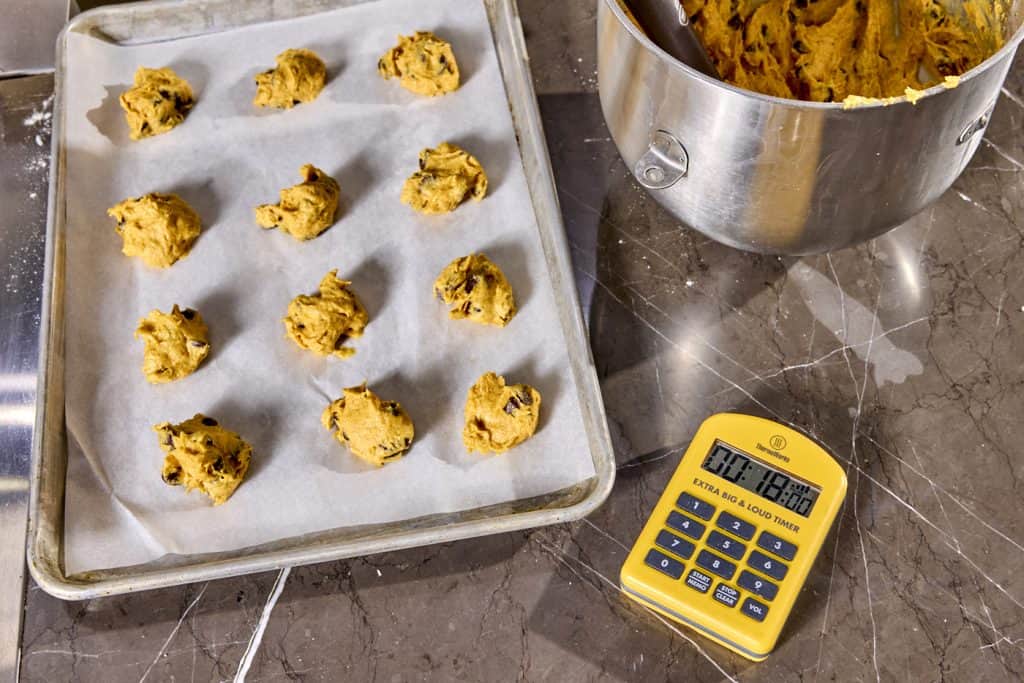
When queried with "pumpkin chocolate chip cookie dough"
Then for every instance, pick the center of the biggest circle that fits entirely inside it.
(203, 455)
(158, 228)
(827, 50)
(157, 102)
(306, 209)
(447, 177)
(423, 63)
(299, 77)
(477, 290)
(376, 431)
(324, 321)
(499, 416)
(175, 344)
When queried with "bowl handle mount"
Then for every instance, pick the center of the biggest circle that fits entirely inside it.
(975, 126)
(663, 163)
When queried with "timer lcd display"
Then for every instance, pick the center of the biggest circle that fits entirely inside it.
(765, 481)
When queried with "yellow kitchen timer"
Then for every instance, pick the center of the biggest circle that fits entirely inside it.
(729, 544)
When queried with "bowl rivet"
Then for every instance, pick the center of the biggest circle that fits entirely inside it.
(654, 174)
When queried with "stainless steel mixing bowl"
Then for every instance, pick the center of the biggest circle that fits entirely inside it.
(782, 176)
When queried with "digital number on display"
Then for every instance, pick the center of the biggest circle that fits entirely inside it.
(765, 481)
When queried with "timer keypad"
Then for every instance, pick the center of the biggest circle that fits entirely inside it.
(707, 564)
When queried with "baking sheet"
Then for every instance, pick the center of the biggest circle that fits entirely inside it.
(226, 158)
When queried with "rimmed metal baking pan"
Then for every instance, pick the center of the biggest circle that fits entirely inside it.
(165, 20)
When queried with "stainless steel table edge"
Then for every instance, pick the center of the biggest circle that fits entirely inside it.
(49, 451)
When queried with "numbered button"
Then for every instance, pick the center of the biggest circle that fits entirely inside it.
(763, 563)
(735, 525)
(674, 544)
(664, 564)
(682, 523)
(726, 545)
(754, 609)
(758, 586)
(776, 545)
(716, 565)
(695, 506)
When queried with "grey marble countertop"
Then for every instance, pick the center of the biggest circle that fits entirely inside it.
(904, 355)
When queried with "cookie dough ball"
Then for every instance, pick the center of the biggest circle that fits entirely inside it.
(324, 321)
(299, 76)
(477, 290)
(423, 63)
(377, 431)
(306, 209)
(175, 344)
(157, 102)
(447, 177)
(499, 417)
(203, 455)
(158, 228)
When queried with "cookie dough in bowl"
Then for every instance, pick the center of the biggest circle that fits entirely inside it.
(175, 344)
(157, 102)
(159, 228)
(829, 50)
(423, 63)
(299, 77)
(324, 321)
(499, 416)
(203, 455)
(376, 431)
(447, 177)
(477, 290)
(306, 209)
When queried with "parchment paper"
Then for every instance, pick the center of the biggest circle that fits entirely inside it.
(225, 159)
